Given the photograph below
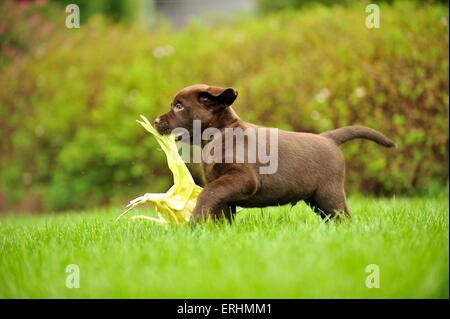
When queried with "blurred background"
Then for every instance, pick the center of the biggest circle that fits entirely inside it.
(69, 98)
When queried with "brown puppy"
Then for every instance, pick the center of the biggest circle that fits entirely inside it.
(309, 167)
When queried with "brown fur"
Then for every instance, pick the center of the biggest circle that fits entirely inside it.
(311, 167)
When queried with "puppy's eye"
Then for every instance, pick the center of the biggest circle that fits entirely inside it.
(178, 106)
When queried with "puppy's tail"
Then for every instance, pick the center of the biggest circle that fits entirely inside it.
(348, 133)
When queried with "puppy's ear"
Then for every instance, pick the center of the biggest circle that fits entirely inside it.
(218, 97)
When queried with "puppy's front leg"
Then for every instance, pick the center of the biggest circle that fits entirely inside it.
(217, 198)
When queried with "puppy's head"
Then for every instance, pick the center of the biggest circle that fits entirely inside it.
(197, 102)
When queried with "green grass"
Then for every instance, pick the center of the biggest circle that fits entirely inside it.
(276, 253)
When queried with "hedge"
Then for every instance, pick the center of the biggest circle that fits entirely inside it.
(68, 108)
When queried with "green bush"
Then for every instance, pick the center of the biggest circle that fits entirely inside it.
(266, 6)
(23, 25)
(68, 109)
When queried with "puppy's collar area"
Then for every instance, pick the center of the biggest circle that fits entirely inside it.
(226, 119)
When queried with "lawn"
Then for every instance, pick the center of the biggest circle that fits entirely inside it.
(273, 253)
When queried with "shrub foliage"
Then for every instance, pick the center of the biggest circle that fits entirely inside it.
(68, 109)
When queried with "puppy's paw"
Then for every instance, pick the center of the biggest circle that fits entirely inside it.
(198, 218)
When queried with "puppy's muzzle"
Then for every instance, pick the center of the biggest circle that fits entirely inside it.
(161, 125)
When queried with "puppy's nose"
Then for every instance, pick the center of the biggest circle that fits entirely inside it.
(157, 121)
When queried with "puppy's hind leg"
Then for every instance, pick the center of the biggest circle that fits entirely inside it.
(311, 202)
(330, 202)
